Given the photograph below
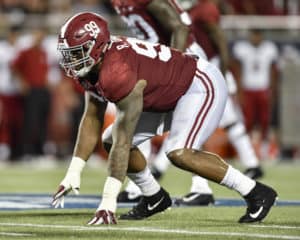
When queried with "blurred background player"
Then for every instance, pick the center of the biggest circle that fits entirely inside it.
(256, 60)
(31, 67)
(146, 22)
(10, 98)
(205, 26)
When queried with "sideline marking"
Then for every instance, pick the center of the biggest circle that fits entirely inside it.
(152, 230)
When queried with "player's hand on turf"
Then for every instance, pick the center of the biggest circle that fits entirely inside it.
(103, 217)
(70, 182)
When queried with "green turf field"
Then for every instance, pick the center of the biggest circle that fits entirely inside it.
(204, 223)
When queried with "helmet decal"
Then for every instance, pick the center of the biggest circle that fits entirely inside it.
(92, 28)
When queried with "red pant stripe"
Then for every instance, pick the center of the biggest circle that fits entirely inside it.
(204, 109)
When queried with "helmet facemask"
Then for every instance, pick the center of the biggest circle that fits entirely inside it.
(76, 60)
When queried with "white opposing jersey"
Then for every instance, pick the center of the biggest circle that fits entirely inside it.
(256, 63)
(230, 81)
(8, 85)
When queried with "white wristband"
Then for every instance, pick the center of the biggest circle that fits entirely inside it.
(111, 190)
(76, 166)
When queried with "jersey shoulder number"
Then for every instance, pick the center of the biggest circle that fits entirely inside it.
(147, 49)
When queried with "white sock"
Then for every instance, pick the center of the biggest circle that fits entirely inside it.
(200, 185)
(145, 148)
(161, 161)
(234, 179)
(242, 144)
(133, 189)
(145, 181)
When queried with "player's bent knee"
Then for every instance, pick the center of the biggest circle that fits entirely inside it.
(177, 157)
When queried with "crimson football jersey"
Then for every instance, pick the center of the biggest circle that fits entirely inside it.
(167, 71)
(144, 25)
(205, 12)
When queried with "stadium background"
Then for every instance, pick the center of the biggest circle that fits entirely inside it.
(279, 20)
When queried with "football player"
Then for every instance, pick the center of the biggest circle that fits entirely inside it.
(258, 93)
(146, 82)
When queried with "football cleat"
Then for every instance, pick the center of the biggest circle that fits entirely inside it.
(128, 197)
(148, 206)
(254, 173)
(259, 201)
(195, 199)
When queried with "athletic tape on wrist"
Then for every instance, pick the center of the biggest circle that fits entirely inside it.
(111, 190)
(77, 164)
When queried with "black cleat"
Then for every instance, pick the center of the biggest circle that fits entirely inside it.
(254, 173)
(259, 201)
(148, 206)
(128, 197)
(195, 199)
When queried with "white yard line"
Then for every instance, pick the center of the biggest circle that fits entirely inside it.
(16, 234)
(275, 226)
(152, 230)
